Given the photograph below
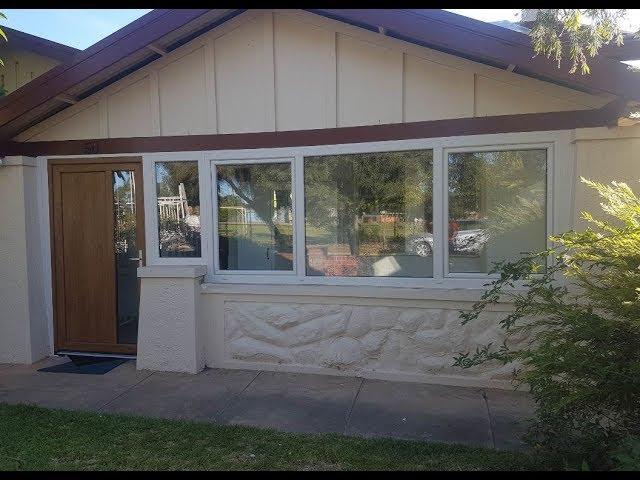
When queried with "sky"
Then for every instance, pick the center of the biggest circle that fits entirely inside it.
(74, 27)
(632, 22)
(81, 28)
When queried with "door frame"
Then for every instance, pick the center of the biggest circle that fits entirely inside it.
(57, 265)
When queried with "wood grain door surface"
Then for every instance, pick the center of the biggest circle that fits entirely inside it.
(84, 253)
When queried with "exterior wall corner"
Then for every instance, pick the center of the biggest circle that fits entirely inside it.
(23, 318)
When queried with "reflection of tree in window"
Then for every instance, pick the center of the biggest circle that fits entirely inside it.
(124, 210)
(497, 204)
(178, 196)
(362, 210)
(255, 217)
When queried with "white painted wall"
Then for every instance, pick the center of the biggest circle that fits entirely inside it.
(169, 327)
(291, 70)
(129, 111)
(24, 335)
(604, 154)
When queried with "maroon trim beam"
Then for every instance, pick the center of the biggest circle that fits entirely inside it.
(605, 116)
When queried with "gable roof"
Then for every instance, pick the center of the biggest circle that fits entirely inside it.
(39, 45)
(492, 44)
(113, 57)
(162, 30)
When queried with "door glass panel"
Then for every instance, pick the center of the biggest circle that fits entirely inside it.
(126, 248)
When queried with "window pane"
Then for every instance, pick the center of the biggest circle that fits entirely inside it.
(178, 196)
(497, 207)
(255, 217)
(127, 252)
(369, 214)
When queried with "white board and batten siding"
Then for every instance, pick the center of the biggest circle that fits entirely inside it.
(291, 70)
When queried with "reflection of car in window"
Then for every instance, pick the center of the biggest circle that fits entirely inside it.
(464, 242)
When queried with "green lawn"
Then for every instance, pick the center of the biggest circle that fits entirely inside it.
(35, 438)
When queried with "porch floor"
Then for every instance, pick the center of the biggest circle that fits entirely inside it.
(291, 402)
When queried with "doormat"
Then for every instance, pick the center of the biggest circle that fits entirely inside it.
(94, 368)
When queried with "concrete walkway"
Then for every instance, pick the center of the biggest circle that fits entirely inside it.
(285, 401)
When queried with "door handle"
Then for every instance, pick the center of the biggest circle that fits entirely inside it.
(138, 258)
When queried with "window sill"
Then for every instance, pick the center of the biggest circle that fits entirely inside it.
(365, 291)
(172, 271)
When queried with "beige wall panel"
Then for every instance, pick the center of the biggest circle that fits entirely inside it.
(21, 66)
(182, 90)
(304, 75)
(434, 91)
(499, 98)
(84, 124)
(604, 161)
(241, 84)
(130, 111)
(369, 88)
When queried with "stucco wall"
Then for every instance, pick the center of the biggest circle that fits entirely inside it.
(291, 70)
(169, 336)
(23, 321)
(402, 338)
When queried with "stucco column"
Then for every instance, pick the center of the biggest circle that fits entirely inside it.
(24, 333)
(169, 331)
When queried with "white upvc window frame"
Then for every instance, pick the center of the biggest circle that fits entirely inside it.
(151, 208)
(217, 271)
(547, 146)
(560, 174)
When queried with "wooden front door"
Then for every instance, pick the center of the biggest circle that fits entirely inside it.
(97, 241)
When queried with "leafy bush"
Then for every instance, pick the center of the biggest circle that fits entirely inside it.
(580, 321)
(627, 458)
(370, 232)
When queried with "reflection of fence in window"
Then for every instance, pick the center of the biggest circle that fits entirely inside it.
(380, 228)
(174, 207)
(235, 221)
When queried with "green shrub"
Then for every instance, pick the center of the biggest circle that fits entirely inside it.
(627, 457)
(371, 232)
(581, 322)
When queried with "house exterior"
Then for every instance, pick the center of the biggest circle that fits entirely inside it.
(27, 56)
(308, 191)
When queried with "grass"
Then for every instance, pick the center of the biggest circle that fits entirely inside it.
(36, 438)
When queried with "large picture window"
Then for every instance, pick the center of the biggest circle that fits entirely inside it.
(415, 213)
(255, 217)
(497, 207)
(178, 204)
(369, 214)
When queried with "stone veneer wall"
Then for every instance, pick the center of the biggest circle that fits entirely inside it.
(357, 339)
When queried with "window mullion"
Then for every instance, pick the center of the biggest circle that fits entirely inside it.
(298, 216)
(206, 214)
(439, 213)
(214, 216)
